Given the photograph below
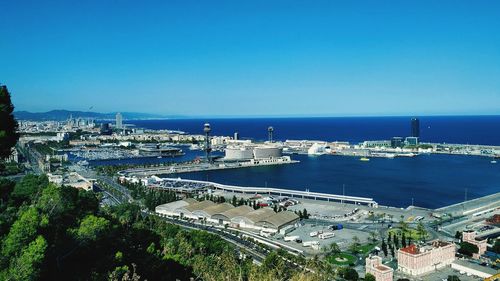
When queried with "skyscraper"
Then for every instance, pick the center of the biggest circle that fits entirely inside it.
(119, 120)
(415, 127)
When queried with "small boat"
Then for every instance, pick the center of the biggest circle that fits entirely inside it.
(493, 162)
(159, 157)
(364, 159)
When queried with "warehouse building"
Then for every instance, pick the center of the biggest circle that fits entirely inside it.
(208, 212)
(227, 216)
(278, 220)
(174, 208)
(249, 220)
(225, 213)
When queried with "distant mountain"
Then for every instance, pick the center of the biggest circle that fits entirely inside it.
(59, 115)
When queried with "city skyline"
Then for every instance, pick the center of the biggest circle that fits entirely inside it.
(254, 59)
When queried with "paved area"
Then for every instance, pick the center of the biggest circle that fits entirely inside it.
(473, 206)
(439, 275)
(331, 211)
(342, 237)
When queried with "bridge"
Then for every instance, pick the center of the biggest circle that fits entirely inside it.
(275, 191)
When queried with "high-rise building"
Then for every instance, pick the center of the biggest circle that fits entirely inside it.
(397, 142)
(415, 127)
(119, 120)
(105, 129)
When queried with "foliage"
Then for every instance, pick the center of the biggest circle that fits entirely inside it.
(22, 232)
(341, 259)
(453, 278)
(384, 248)
(409, 233)
(353, 247)
(334, 248)
(10, 168)
(154, 197)
(496, 246)
(422, 232)
(90, 228)
(8, 124)
(27, 265)
(349, 273)
(61, 233)
(468, 249)
(28, 188)
(369, 277)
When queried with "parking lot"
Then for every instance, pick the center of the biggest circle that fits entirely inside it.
(342, 237)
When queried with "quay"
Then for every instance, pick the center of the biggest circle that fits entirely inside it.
(176, 183)
(199, 167)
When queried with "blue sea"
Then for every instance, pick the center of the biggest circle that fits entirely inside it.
(448, 129)
(432, 180)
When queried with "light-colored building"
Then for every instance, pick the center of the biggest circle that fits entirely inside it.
(417, 260)
(375, 267)
(247, 152)
(225, 213)
(14, 156)
(473, 269)
(72, 179)
(55, 179)
(469, 236)
(119, 120)
(173, 209)
(77, 181)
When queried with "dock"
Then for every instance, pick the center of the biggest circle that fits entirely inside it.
(271, 191)
(200, 167)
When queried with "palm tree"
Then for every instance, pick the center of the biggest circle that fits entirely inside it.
(355, 244)
(334, 248)
(403, 225)
(422, 232)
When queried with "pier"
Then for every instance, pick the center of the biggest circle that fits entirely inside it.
(199, 167)
(272, 191)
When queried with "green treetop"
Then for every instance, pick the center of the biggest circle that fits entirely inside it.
(8, 124)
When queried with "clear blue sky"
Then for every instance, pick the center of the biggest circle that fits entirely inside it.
(253, 57)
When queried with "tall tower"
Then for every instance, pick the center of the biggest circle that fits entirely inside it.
(208, 149)
(119, 120)
(270, 131)
(415, 127)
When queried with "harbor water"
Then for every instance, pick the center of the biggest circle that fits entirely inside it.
(431, 180)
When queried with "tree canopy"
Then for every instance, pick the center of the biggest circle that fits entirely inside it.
(8, 124)
(468, 249)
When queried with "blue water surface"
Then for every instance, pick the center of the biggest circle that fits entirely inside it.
(432, 180)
